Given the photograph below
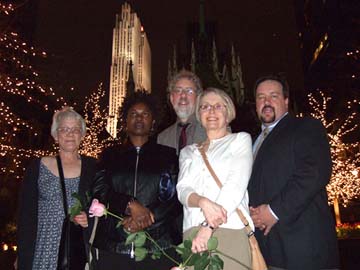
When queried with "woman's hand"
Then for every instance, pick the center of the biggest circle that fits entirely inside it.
(214, 213)
(199, 243)
(141, 215)
(131, 225)
(81, 219)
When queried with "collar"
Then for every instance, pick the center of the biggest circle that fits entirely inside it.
(272, 125)
(192, 120)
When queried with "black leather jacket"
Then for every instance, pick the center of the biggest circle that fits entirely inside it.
(149, 174)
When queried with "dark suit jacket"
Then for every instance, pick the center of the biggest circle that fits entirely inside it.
(291, 171)
(28, 207)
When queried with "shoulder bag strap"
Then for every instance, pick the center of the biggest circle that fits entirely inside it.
(213, 174)
(62, 182)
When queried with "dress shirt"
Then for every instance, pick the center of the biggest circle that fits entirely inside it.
(190, 130)
(270, 127)
(231, 159)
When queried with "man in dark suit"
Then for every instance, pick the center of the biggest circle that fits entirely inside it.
(287, 188)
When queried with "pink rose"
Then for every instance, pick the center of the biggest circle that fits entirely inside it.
(177, 268)
(97, 209)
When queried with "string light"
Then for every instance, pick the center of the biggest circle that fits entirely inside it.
(345, 179)
(20, 85)
(96, 120)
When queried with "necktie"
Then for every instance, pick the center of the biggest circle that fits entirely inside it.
(182, 138)
(263, 135)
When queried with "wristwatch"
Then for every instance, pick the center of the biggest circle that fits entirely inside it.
(205, 224)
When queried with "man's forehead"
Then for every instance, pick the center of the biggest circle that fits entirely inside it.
(186, 81)
(269, 86)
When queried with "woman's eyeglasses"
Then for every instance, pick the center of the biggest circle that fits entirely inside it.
(67, 130)
(216, 107)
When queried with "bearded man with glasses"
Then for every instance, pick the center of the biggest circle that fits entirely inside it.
(183, 89)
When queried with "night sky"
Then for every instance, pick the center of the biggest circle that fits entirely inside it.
(78, 35)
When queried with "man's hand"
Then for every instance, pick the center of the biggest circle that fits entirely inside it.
(214, 213)
(141, 215)
(262, 218)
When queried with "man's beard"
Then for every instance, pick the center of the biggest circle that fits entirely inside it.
(184, 112)
(272, 119)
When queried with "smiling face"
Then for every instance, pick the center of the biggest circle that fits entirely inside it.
(213, 113)
(183, 99)
(139, 120)
(68, 134)
(271, 104)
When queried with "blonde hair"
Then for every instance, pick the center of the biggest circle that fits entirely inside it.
(229, 104)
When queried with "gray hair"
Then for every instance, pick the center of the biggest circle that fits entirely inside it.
(229, 104)
(185, 74)
(66, 112)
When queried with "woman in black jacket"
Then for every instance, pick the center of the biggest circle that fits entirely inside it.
(137, 180)
(41, 210)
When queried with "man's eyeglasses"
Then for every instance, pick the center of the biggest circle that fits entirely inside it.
(207, 107)
(67, 130)
(187, 91)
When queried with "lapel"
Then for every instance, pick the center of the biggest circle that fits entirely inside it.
(173, 140)
(269, 141)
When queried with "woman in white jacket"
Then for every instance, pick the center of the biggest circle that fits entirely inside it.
(205, 204)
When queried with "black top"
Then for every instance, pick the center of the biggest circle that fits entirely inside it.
(151, 172)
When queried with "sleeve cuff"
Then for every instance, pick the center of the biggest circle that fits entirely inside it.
(272, 212)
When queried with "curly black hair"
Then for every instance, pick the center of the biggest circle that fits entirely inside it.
(140, 96)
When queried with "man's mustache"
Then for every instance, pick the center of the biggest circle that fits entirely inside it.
(267, 107)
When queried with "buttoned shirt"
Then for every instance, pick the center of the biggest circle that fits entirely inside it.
(231, 159)
(270, 128)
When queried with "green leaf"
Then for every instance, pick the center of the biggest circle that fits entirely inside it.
(188, 244)
(118, 225)
(194, 258)
(202, 262)
(180, 250)
(213, 266)
(76, 208)
(140, 239)
(216, 263)
(76, 196)
(140, 254)
(156, 255)
(212, 243)
(130, 238)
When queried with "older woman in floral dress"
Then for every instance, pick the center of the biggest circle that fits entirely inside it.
(41, 211)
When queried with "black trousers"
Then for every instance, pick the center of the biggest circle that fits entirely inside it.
(113, 261)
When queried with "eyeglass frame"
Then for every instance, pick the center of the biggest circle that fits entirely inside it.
(218, 107)
(68, 130)
(183, 90)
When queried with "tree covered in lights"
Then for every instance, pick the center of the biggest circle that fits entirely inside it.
(96, 137)
(344, 185)
(26, 107)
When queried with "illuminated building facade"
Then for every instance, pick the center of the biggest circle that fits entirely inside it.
(130, 49)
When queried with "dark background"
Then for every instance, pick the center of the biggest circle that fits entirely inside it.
(77, 35)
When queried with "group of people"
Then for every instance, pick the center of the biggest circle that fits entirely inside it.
(166, 185)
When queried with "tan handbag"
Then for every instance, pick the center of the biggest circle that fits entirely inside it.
(257, 259)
